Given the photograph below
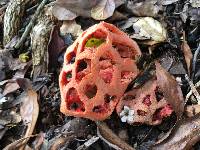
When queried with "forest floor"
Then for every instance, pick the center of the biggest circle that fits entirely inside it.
(34, 36)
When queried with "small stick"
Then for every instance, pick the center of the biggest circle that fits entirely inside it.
(193, 89)
(30, 25)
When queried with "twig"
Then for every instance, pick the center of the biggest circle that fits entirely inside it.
(88, 143)
(194, 62)
(193, 89)
(190, 92)
(30, 25)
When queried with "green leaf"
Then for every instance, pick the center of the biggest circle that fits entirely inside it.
(94, 42)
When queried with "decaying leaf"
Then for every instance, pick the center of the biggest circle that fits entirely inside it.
(187, 53)
(171, 90)
(195, 3)
(55, 47)
(61, 13)
(144, 8)
(70, 9)
(71, 27)
(107, 135)
(103, 10)
(183, 136)
(146, 28)
(29, 111)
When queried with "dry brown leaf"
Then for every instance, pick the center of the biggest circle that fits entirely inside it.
(29, 111)
(10, 87)
(70, 9)
(171, 90)
(144, 8)
(103, 10)
(183, 136)
(106, 134)
(187, 53)
(55, 47)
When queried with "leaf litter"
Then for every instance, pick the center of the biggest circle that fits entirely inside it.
(31, 108)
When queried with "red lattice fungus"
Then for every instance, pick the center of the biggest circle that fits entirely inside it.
(94, 78)
(148, 103)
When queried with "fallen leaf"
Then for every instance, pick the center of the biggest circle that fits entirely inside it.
(29, 111)
(146, 28)
(62, 13)
(71, 27)
(144, 8)
(183, 136)
(119, 3)
(14, 84)
(107, 135)
(70, 9)
(187, 53)
(37, 143)
(55, 47)
(103, 10)
(195, 3)
(171, 90)
(10, 87)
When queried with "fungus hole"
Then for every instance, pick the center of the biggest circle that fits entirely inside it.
(147, 100)
(67, 77)
(90, 91)
(159, 94)
(82, 64)
(156, 115)
(141, 112)
(73, 101)
(71, 57)
(109, 98)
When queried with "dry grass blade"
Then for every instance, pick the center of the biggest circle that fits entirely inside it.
(187, 53)
(107, 135)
